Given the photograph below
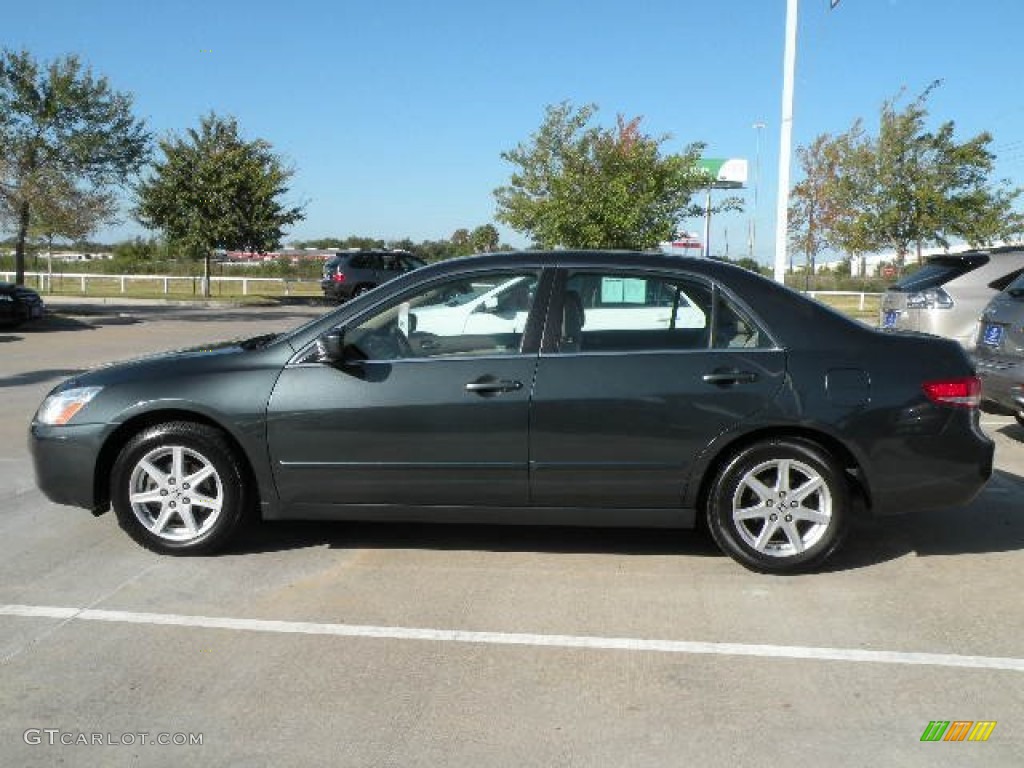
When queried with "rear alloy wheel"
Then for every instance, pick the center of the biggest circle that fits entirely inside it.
(178, 488)
(779, 506)
(360, 290)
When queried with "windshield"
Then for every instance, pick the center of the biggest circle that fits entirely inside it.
(937, 272)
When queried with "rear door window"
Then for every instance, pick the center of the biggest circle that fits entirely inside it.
(622, 312)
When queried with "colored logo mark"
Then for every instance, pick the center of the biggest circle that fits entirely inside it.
(958, 730)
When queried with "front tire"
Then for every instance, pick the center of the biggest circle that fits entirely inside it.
(179, 488)
(779, 506)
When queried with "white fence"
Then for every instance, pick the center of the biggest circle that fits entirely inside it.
(862, 295)
(44, 281)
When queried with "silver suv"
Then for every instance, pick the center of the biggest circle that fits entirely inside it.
(946, 296)
(999, 354)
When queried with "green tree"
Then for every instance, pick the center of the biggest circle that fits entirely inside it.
(214, 190)
(484, 238)
(583, 186)
(62, 209)
(905, 188)
(827, 206)
(66, 138)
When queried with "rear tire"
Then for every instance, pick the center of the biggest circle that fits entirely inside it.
(179, 489)
(779, 506)
(1019, 416)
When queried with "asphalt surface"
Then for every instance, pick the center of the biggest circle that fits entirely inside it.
(401, 645)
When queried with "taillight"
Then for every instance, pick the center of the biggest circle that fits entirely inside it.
(933, 298)
(962, 393)
(338, 277)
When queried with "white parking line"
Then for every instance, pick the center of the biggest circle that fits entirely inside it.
(506, 638)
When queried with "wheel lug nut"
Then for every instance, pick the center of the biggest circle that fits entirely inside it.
(773, 517)
(185, 486)
(170, 481)
(173, 505)
(163, 492)
(789, 518)
(185, 501)
(770, 502)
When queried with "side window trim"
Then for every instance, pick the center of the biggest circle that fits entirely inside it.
(560, 280)
(531, 337)
(553, 323)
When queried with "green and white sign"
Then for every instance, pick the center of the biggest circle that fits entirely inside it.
(725, 173)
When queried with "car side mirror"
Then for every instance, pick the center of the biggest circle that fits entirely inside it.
(330, 347)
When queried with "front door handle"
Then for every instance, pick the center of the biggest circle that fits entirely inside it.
(723, 378)
(488, 385)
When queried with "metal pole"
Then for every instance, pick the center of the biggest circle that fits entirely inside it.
(758, 128)
(785, 142)
(707, 224)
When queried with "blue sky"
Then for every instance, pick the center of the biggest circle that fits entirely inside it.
(394, 113)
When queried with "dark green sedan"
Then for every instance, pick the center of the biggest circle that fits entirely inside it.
(559, 388)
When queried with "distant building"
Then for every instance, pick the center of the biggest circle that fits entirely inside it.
(71, 256)
(686, 244)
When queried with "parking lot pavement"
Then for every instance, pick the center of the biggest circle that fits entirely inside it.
(402, 645)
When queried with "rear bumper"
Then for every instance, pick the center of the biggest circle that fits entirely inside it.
(926, 472)
(336, 291)
(64, 459)
(1002, 382)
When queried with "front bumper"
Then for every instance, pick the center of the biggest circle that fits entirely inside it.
(64, 459)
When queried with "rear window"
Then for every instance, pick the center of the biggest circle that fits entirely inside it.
(1016, 288)
(1004, 282)
(938, 271)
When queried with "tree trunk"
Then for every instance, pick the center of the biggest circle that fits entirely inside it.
(19, 248)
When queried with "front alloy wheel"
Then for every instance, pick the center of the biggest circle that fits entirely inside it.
(779, 506)
(178, 488)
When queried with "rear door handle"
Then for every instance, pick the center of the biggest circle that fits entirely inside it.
(488, 385)
(730, 377)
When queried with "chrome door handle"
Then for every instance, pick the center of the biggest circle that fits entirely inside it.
(488, 386)
(730, 377)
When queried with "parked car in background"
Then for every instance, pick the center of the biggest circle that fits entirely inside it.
(582, 388)
(18, 305)
(350, 273)
(945, 297)
(999, 352)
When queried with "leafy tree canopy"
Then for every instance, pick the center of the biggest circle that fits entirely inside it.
(579, 185)
(212, 189)
(906, 187)
(66, 137)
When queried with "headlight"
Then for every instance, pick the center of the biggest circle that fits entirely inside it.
(58, 409)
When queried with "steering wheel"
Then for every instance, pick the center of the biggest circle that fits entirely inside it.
(402, 346)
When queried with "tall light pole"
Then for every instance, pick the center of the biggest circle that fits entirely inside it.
(752, 238)
(785, 142)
